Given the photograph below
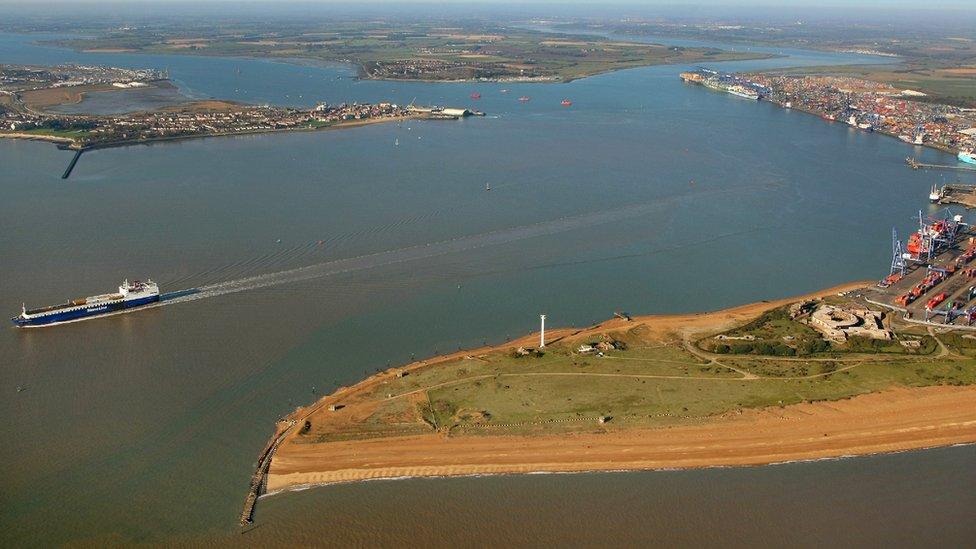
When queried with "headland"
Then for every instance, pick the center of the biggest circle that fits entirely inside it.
(31, 96)
(813, 377)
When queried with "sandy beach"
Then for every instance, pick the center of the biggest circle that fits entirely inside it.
(890, 421)
(896, 419)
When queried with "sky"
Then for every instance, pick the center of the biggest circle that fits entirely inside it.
(880, 4)
(772, 11)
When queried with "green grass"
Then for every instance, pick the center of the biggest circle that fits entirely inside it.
(534, 400)
(71, 134)
(647, 384)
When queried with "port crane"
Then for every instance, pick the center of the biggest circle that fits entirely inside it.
(898, 260)
(933, 236)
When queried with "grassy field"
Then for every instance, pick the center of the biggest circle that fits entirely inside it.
(69, 134)
(650, 379)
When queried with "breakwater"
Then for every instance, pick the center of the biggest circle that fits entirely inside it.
(71, 165)
(259, 478)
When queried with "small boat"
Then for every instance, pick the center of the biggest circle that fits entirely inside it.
(504, 91)
(566, 102)
(475, 95)
(524, 98)
(396, 142)
(487, 186)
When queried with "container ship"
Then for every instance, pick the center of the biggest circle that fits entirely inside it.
(742, 91)
(722, 82)
(130, 296)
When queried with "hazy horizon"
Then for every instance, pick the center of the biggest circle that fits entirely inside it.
(955, 14)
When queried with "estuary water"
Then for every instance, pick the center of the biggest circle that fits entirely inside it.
(647, 195)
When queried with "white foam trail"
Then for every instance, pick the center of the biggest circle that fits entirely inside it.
(421, 251)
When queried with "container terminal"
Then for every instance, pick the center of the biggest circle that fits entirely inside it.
(932, 276)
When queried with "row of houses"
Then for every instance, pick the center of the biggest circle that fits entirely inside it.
(194, 121)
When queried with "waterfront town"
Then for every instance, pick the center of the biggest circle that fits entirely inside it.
(191, 120)
(873, 106)
(27, 93)
(455, 70)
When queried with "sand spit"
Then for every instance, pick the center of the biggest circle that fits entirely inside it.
(889, 421)
(898, 419)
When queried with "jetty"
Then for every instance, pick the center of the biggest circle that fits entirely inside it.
(71, 165)
(958, 193)
(261, 471)
(916, 165)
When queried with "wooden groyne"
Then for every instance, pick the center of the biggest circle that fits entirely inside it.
(71, 165)
(260, 475)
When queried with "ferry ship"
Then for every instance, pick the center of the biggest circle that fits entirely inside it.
(129, 296)
(967, 157)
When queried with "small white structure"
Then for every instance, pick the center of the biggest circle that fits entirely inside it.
(451, 111)
(542, 331)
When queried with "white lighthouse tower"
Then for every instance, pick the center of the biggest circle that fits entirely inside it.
(542, 331)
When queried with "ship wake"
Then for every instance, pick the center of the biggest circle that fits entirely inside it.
(417, 252)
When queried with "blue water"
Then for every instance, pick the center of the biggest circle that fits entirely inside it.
(647, 195)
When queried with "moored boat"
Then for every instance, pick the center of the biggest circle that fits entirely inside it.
(968, 157)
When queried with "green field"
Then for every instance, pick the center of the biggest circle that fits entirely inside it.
(650, 381)
(70, 134)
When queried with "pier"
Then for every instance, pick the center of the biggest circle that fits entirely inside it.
(71, 165)
(958, 193)
(916, 165)
(261, 471)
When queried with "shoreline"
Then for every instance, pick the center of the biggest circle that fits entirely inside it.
(628, 455)
(303, 487)
(73, 144)
(946, 150)
(895, 419)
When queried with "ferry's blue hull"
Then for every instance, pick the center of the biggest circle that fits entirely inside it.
(83, 313)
